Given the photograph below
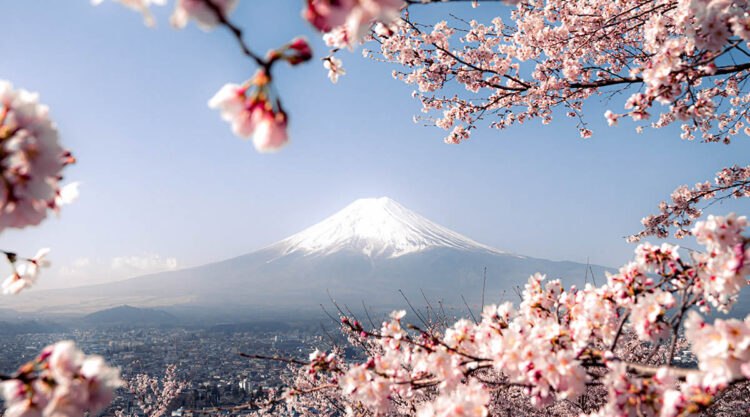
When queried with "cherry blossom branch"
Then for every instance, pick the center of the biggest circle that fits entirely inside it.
(687, 301)
(577, 55)
(729, 182)
(153, 394)
(620, 328)
(237, 32)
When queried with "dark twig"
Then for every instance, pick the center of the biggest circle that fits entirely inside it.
(237, 32)
(419, 316)
(471, 313)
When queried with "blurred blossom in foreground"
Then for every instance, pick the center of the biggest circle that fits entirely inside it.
(31, 161)
(61, 382)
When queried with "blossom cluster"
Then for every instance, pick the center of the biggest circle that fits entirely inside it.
(689, 56)
(346, 22)
(31, 160)
(727, 261)
(25, 274)
(731, 182)
(722, 348)
(623, 388)
(558, 343)
(658, 395)
(251, 112)
(152, 394)
(207, 14)
(252, 109)
(61, 382)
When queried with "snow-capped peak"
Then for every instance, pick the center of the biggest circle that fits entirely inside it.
(376, 227)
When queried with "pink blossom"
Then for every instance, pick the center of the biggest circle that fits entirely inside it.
(141, 6)
(333, 65)
(33, 158)
(251, 113)
(327, 14)
(66, 195)
(350, 19)
(557, 54)
(61, 382)
(647, 314)
(468, 400)
(23, 277)
(205, 16)
(270, 134)
(721, 348)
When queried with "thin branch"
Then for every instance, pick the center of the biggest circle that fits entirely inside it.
(471, 313)
(484, 282)
(273, 358)
(419, 316)
(237, 32)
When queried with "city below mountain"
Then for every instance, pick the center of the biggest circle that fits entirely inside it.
(365, 253)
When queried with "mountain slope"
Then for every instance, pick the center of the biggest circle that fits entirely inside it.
(365, 252)
(377, 228)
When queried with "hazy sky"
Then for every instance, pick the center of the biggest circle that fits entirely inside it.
(166, 185)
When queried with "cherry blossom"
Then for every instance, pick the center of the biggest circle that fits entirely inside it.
(593, 315)
(62, 382)
(271, 132)
(727, 262)
(251, 113)
(559, 346)
(326, 14)
(33, 160)
(722, 348)
(206, 13)
(676, 61)
(141, 6)
(353, 17)
(333, 65)
(732, 182)
(153, 394)
(25, 274)
(629, 282)
(66, 195)
(647, 315)
(558, 54)
(469, 400)
(19, 280)
(633, 396)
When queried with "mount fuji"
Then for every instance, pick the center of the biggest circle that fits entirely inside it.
(367, 252)
(377, 228)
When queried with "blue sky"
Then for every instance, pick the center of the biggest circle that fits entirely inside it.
(165, 182)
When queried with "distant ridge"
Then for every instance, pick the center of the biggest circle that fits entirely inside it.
(126, 314)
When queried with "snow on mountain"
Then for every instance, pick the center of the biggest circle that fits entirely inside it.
(378, 228)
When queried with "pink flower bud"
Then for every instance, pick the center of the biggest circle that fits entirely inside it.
(300, 51)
